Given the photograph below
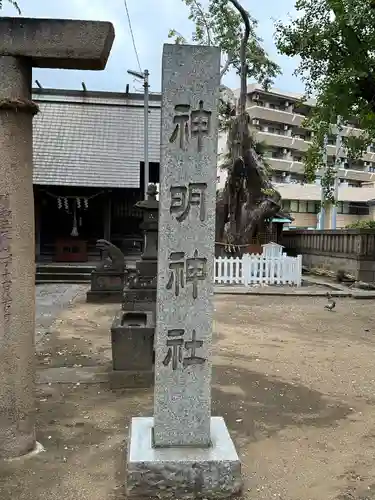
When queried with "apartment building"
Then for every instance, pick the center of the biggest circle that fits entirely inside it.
(276, 119)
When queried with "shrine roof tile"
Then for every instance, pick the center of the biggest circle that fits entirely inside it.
(92, 139)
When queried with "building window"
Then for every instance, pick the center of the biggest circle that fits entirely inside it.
(277, 154)
(273, 130)
(331, 140)
(285, 205)
(313, 207)
(359, 209)
(342, 207)
(300, 206)
(274, 106)
(297, 157)
(352, 208)
(294, 205)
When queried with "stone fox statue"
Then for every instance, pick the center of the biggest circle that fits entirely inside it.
(115, 260)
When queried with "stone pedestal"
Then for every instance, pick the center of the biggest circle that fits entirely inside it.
(106, 286)
(108, 279)
(139, 299)
(132, 336)
(25, 43)
(182, 473)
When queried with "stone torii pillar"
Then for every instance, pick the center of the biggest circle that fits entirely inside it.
(24, 44)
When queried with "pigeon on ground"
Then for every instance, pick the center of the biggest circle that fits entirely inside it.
(331, 303)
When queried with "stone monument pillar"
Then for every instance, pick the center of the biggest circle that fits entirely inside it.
(183, 452)
(25, 43)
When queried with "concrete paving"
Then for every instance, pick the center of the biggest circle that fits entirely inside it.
(50, 300)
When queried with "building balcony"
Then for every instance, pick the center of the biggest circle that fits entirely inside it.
(281, 141)
(312, 192)
(275, 115)
(297, 167)
(294, 120)
(285, 165)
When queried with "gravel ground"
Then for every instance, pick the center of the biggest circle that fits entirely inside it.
(50, 299)
(295, 383)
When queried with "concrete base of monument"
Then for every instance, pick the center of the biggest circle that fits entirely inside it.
(131, 379)
(182, 473)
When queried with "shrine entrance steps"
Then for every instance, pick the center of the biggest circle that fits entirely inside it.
(70, 272)
(64, 273)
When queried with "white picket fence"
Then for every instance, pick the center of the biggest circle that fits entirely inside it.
(262, 269)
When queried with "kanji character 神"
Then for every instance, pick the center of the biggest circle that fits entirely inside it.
(200, 124)
(175, 342)
(196, 270)
(181, 129)
(177, 268)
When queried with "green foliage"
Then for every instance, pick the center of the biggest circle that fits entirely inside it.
(327, 183)
(269, 192)
(12, 2)
(178, 38)
(335, 42)
(220, 24)
(362, 224)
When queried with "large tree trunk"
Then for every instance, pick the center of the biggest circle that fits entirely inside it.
(248, 200)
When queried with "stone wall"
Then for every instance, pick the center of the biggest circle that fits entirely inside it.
(352, 250)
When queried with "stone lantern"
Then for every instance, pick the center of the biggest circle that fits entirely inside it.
(133, 328)
(147, 266)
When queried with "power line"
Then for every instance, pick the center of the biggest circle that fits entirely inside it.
(132, 35)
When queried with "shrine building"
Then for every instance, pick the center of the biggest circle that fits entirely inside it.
(89, 171)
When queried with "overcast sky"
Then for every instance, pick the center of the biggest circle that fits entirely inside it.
(151, 20)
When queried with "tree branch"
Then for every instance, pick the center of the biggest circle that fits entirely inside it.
(204, 20)
(226, 66)
(15, 5)
(243, 93)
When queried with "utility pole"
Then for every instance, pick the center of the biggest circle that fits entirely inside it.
(147, 165)
(322, 199)
(145, 77)
(337, 166)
